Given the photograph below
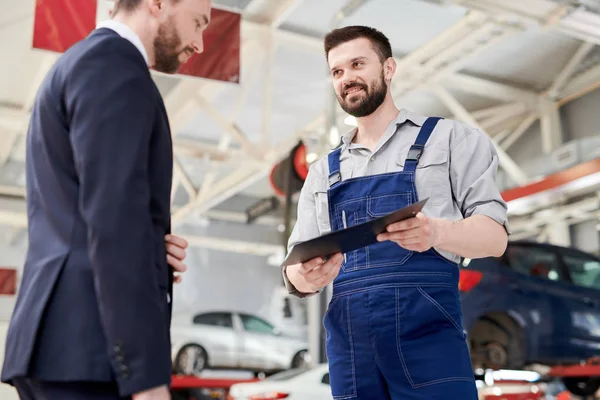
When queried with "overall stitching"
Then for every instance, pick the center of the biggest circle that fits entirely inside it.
(401, 356)
(352, 362)
(389, 286)
(439, 307)
(392, 274)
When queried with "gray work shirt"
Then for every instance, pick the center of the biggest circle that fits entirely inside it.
(456, 171)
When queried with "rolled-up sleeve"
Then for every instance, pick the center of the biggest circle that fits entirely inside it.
(473, 169)
(305, 228)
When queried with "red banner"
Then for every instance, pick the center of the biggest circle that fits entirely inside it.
(59, 24)
(221, 57)
(8, 281)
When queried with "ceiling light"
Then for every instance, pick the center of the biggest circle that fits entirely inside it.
(350, 120)
(311, 158)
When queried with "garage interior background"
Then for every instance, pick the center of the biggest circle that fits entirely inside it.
(527, 72)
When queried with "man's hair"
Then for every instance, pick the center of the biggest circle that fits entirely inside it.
(379, 41)
(128, 5)
(125, 5)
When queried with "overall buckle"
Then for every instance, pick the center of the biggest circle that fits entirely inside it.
(414, 153)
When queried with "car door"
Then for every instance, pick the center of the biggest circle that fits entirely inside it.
(214, 331)
(584, 296)
(540, 290)
(260, 342)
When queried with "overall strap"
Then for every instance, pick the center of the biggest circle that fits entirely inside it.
(412, 158)
(334, 167)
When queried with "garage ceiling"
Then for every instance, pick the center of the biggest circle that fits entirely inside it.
(490, 60)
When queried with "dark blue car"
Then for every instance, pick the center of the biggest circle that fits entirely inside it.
(538, 303)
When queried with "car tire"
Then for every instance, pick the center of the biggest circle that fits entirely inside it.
(582, 386)
(496, 342)
(183, 365)
(300, 359)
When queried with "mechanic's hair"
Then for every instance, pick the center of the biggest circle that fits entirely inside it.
(379, 41)
(128, 5)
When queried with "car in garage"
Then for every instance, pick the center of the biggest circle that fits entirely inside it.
(536, 304)
(295, 384)
(232, 340)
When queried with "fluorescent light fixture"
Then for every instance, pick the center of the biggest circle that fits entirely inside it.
(334, 136)
(311, 157)
(350, 120)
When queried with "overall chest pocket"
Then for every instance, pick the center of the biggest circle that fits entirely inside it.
(432, 176)
(383, 254)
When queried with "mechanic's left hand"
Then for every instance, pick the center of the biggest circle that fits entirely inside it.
(176, 254)
(418, 234)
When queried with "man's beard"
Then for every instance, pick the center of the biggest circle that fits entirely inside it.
(166, 45)
(373, 97)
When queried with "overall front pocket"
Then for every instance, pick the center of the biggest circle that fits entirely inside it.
(430, 341)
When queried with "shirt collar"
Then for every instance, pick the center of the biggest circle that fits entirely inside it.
(403, 116)
(126, 33)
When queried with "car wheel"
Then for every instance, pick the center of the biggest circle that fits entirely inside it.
(301, 359)
(496, 343)
(191, 360)
(582, 386)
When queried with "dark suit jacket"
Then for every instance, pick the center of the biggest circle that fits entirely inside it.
(93, 301)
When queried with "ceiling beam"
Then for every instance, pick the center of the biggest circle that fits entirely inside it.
(569, 68)
(580, 85)
(490, 89)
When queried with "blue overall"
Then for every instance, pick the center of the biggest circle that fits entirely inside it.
(394, 323)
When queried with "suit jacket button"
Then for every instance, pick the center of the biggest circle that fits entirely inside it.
(124, 372)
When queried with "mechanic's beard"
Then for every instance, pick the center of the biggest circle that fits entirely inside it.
(166, 45)
(375, 95)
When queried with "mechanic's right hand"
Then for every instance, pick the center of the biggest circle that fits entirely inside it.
(317, 273)
(157, 393)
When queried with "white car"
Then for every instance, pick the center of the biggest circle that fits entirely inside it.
(295, 384)
(232, 340)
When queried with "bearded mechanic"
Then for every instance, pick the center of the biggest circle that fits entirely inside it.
(394, 324)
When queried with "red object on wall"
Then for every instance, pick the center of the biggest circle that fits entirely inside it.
(59, 24)
(555, 181)
(8, 281)
(221, 57)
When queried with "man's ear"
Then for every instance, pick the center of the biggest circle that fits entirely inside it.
(389, 69)
(155, 6)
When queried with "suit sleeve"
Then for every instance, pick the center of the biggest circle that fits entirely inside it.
(111, 107)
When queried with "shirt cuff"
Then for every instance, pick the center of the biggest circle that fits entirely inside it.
(292, 289)
(495, 211)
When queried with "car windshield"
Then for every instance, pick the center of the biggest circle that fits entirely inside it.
(289, 374)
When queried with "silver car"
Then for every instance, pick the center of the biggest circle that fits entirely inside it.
(232, 340)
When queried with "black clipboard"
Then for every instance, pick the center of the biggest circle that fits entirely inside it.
(353, 238)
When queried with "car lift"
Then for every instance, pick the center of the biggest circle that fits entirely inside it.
(190, 387)
(507, 389)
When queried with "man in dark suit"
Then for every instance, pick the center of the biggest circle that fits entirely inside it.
(92, 316)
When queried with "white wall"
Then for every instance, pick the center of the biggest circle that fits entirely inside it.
(586, 236)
